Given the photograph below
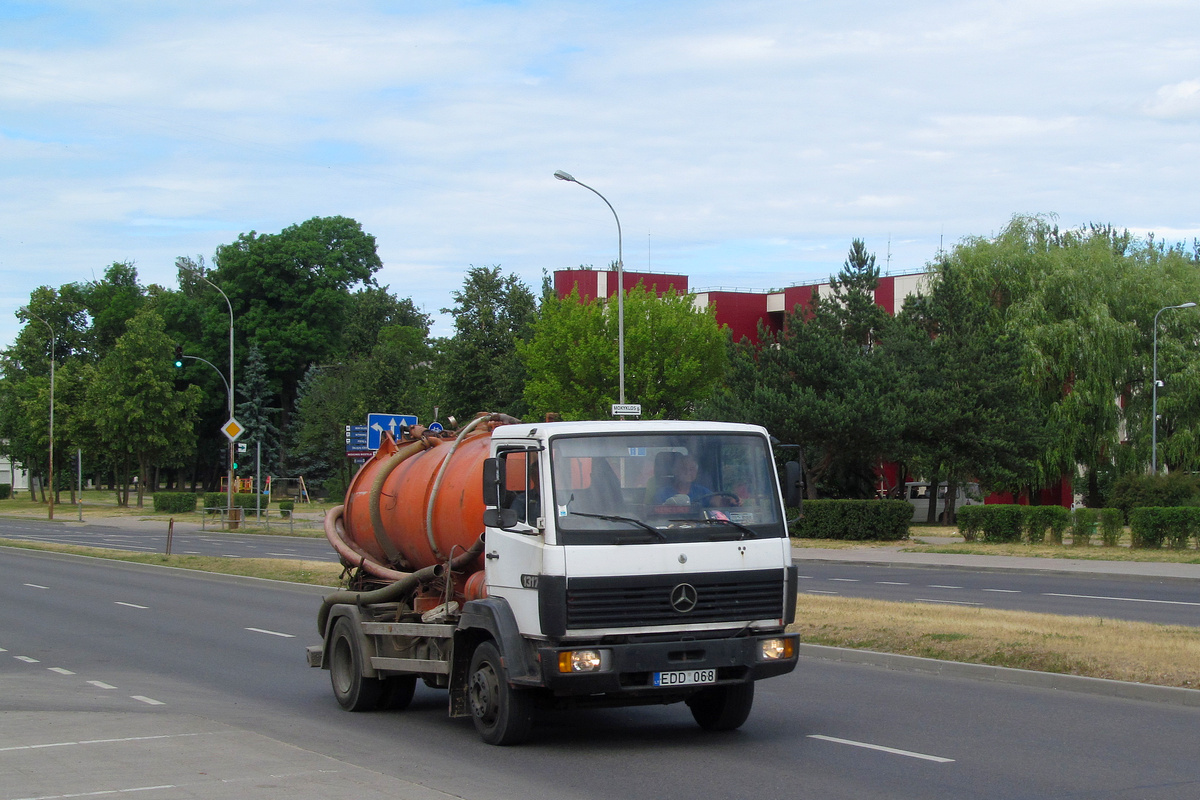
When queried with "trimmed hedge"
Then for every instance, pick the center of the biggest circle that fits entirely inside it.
(285, 507)
(1153, 491)
(858, 520)
(1112, 525)
(1001, 523)
(1083, 523)
(1037, 520)
(1153, 527)
(218, 501)
(175, 502)
(970, 519)
(5, 490)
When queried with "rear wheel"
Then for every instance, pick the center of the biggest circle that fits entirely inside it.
(353, 691)
(398, 692)
(722, 708)
(502, 714)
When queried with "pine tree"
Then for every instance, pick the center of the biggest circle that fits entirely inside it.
(255, 416)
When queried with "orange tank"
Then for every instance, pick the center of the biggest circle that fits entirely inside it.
(400, 481)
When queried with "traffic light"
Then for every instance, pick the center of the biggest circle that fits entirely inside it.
(178, 356)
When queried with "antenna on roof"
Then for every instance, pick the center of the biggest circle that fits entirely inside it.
(887, 270)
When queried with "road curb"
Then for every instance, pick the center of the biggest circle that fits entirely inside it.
(1171, 695)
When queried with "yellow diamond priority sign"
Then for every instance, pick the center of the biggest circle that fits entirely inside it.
(232, 429)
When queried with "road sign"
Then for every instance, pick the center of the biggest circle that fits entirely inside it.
(232, 429)
(357, 453)
(435, 427)
(378, 423)
(243, 447)
(627, 409)
(356, 437)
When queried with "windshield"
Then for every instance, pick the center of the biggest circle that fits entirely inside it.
(635, 488)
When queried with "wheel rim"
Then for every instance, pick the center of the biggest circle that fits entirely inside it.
(340, 671)
(485, 692)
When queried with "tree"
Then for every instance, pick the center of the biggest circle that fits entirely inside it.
(290, 292)
(479, 364)
(255, 414)
(674, 355)
(136, 413)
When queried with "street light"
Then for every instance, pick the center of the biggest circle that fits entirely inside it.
(1154, 393)
(564, 176)
(53, 342)
(229, 390)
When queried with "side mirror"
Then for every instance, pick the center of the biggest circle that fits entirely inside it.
(793, 484)
(493, 492)
(504, 518)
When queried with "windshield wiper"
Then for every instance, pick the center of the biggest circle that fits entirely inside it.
(630, 520)
(746, 532)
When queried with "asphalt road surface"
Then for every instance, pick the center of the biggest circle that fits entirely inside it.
(1165, 601)
(124, 678)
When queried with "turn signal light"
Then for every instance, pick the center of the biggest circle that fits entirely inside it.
(776, 649)
(581, 661)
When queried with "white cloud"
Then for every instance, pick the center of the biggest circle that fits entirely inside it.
(1176, 101)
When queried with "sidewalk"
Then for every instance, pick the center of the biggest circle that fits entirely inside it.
(892, 556)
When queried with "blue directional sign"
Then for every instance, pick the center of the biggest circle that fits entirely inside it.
(435, 427)
(378, 423)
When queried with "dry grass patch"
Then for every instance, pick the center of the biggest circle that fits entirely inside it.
(1166, 655)
(320, 573)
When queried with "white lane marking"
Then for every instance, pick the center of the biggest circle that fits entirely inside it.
(1126, 599)
(891, 583)
(806, 577)
(272, 633)
(102, 685)
(845, 580)
(229, 555)
(27, 659)
(947, 602)
(97, 741)
(100, 793)
(278, 554)
(150, 701)
(2, 650)
(130, 605)
(60, 670)
(36, 586)
(1002, 591)
(882, 749)
(817, 591)
(935, 586)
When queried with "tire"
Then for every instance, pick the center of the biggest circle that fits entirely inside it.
(722, 708)
(502, 715)
(353, 691)
(398, 692)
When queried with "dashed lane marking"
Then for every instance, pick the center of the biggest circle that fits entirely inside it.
(102, 685)
(947, 602)
(27, 659)
(1002, 591)
(846, 580)
(130, 605)
(1124, 599)
(60, 670)
(936, 586)
(150, 701)
(891, 583)
(97, 741)
(894, 751)
(272, 633)
(36, 586)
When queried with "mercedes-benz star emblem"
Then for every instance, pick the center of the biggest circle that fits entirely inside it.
(683, 598)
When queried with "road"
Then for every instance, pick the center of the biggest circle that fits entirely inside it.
(1174, 602)
(1163, 601)
(196, 684)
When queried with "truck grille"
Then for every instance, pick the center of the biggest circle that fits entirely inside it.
(629, 602)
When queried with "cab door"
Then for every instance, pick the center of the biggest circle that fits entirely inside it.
(513, 555)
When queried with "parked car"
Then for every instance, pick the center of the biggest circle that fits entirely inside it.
(917, 494)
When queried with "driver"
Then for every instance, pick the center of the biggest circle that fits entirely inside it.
(682, 489)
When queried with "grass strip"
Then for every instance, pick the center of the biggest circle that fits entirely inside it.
(320, 573)
(1164, 655)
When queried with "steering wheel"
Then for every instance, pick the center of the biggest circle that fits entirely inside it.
(733, 499)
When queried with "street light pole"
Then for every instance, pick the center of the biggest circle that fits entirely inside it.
(1154, 393)
(564, 176)
(229, 390)
(53, 343)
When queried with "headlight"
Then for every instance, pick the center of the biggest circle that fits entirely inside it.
(583, 661)
(775, 649)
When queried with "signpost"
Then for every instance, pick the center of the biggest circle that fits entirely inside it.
(627, 409)
(378, 423)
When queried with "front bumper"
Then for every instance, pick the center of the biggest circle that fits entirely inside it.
(630, 667)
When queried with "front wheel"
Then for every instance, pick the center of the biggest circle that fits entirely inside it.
(722, 708)
(353, 691)
(502, 715)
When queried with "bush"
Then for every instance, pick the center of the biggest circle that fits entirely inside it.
(5, 490)
(1000, 523)
(285, 507)
(214, 501)
(1083, 523)
(175, 502)
(969, 519)
(1153, 491)
(1036, 520)
(1112, 525)
(217, 501)
(879, 520)
(1147, 527)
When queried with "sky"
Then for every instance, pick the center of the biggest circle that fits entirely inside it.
(744, 144)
